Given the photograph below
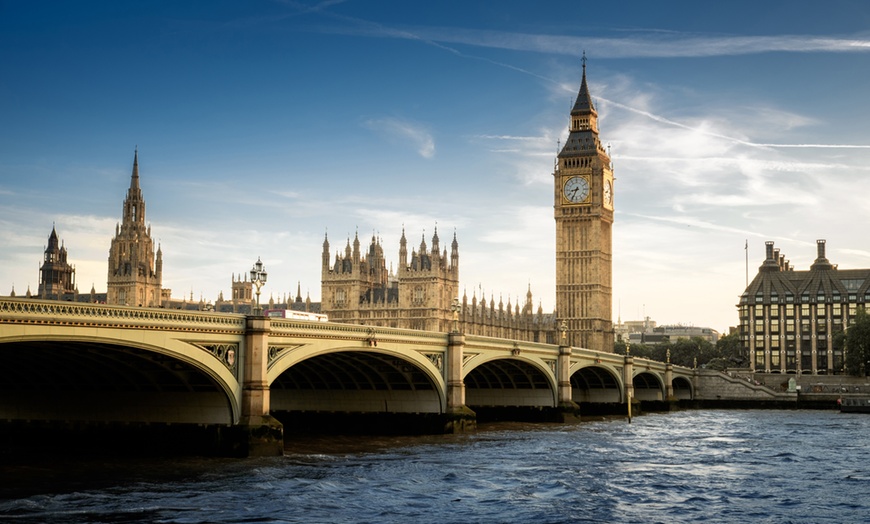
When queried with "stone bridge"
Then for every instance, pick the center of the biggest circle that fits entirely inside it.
(93, 363)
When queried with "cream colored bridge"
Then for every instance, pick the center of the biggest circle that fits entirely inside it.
(66, 361)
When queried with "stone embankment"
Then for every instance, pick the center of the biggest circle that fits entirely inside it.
(744, 389)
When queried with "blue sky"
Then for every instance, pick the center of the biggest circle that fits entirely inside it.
(263, 125)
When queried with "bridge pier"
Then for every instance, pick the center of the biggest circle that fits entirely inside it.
(567, 409)
(669, 382)
(257, 434)
(459, 418)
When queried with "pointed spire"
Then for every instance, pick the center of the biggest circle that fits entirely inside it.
(134, 179)
(52, 240)
(583, 104)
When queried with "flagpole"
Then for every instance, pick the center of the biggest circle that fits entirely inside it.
(746, 249)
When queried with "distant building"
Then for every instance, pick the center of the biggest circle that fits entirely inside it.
(622, 330)
(647, 332)
(788, 318)
(56, 276)
(678, 331)
(135, 274)
(243, 300)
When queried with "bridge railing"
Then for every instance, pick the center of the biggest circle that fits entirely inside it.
(33, 311)
(353, 332)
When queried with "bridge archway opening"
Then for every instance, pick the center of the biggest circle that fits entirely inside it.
(647, 386)
(355, 391)
(682, 388)
(508, 389)
(78, 381)
(68, 396)
(595, 385)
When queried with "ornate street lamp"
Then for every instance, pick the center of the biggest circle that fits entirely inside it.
(563, 330)
(258, 279)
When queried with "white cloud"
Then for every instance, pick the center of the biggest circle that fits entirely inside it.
(404, 132)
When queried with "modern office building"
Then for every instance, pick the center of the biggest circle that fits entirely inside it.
(789, 319)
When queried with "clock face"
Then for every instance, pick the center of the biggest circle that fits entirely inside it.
(576, 189)
(608, 193)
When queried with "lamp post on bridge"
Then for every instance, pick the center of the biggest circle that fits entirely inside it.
(455, 308)
(258, 279)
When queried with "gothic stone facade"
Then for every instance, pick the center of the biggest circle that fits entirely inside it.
(583, 209)
(135, 274)
(56, 276)
(358, 288)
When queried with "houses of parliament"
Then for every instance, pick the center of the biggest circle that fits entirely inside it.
(424, 292)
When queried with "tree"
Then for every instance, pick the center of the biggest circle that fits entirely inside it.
(729, 348)
(858, 345)
(637, 350)
(684, 351)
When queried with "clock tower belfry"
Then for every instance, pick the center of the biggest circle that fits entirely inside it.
(583, 209)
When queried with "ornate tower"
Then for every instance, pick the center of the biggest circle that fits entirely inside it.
(56, 276)
(583, 190)
(135, 274)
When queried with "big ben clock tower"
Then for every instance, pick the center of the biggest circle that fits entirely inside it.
(583, 183)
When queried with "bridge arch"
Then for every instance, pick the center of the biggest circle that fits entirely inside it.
(356, 380)
(596, 384)
(68, 375)
(648, 386)
(509, 382)
(682, 388)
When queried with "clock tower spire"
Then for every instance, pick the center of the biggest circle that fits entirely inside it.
(583, 210)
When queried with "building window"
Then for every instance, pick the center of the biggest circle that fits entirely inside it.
(852, 284)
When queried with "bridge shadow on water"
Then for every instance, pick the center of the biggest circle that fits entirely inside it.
(20, 439)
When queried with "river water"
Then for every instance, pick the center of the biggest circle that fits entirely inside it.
(689, 466)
